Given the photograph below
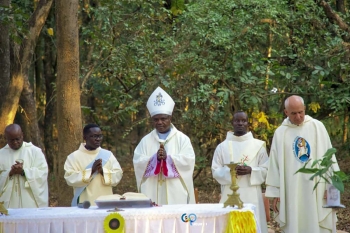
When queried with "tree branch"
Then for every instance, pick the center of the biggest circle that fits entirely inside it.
(333, 16)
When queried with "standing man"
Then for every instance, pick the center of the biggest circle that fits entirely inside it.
(91, 170)
(297, 206)
(164, 159)
(241, 147)
(23, 172)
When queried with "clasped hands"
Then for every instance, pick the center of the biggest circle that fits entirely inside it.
(243, 170)
(97, 166)
(161, 153)
(17, 168)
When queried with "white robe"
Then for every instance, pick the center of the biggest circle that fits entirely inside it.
(172, 190)
(77, 176)
(300, 209)
(233, 149)
(31, 190)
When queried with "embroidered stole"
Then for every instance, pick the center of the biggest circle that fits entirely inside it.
(102, 154)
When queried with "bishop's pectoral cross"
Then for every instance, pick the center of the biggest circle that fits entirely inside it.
(161, 178)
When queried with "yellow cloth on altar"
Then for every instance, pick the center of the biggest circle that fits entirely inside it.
(241, 222)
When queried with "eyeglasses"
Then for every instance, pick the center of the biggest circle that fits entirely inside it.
(96, 136)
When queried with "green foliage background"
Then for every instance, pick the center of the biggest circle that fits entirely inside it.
(213, 58)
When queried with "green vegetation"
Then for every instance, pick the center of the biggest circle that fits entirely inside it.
(212, 57)
(323, 169)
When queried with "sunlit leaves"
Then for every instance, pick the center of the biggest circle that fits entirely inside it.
(314, 106)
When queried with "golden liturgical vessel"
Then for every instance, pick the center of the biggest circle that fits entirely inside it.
(3, 210)
(233, 199)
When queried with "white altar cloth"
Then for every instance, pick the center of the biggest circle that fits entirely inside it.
(211, 218)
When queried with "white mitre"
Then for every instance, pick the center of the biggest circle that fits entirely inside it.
(160, 103)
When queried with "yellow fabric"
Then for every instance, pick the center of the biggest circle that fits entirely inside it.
(241, 222)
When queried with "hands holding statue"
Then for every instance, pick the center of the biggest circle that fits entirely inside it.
(161, 153)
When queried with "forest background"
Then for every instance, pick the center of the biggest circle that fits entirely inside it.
(67, 63)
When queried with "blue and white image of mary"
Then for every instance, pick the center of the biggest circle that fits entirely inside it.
(301, 149)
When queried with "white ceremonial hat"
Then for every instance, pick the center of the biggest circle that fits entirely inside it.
(160, 103)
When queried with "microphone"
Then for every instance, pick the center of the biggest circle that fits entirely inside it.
(85, 205)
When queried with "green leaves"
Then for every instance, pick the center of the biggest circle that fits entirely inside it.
(338, 183)
(322, 168)
(214, 57)
(307, 170)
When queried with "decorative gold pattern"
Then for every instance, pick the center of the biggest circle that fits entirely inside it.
(3, 210)
(233, 199)
(85, 180)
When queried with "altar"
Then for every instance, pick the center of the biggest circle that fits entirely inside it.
(201, 218)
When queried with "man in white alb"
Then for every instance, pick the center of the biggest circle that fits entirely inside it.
(23, 172)
(241, 147)
(297, 206)
(164, 159)
(91, 170)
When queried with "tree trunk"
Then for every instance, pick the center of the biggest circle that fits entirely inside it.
(21, 64)
(68, 92)
(345, 127)
(50, 138)
(5, 65)
(28, 104)
(5, 68)
(340, 6)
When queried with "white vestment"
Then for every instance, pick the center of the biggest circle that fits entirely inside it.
(163, 190)
(235, 149)
(30, 190)
(77, 175)
(300, 209)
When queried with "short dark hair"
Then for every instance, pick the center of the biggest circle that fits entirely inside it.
(87, 128)
(239, 111)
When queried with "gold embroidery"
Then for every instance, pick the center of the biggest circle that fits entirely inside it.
(160, 177)
(85, 180)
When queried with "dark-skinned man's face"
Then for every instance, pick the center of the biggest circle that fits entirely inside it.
(14, 139)
(161, 122)
(93, 138)
(240, 123)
